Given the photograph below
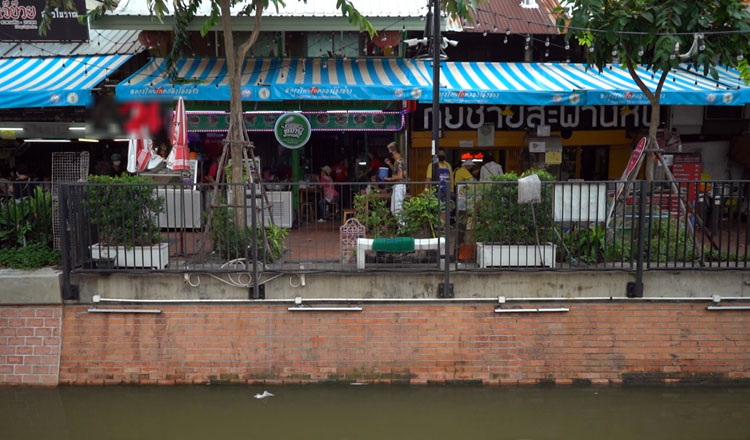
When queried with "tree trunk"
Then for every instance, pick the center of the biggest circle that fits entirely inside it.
(235, 138)
(652, 143)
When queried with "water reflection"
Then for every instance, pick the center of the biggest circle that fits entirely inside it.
(374, 412)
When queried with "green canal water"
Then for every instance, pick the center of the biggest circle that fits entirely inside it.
(374, 412)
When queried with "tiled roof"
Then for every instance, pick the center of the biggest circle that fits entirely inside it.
(102, 42)
(509, 14)
(297, 8)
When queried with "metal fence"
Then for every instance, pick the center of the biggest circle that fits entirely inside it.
(378, 226)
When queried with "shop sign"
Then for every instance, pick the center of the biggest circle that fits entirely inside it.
(514, 117)
(385, 121)
(292, 130)
(20, 21)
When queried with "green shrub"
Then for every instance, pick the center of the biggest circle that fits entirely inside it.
(420, 215)
(33, 256)
(499, 218)
(125, 209)
(27, 220)
(231, 241)
(371, 210)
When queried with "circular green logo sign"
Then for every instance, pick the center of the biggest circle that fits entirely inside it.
(292, 130)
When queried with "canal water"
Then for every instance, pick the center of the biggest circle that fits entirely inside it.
(374, 412)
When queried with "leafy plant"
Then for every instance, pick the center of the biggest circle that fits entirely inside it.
(586, 245)
(33, 256)
(371, 210)
(125, 209)
(499, 218)
(669, 241)
(231, 242)
(27, 219)
(420, 215)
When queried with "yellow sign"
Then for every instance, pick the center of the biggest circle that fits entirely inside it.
(553, 157)
(7, 135)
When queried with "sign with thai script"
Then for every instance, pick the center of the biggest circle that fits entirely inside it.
(514, 117)
(20, 21)
(292, 130)
(319, 121)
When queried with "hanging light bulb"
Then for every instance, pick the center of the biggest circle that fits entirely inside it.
(740, 56)
(614, 51)
(507, 31)
(567, 60)
(525, 47)
(567, 46)
(505, 40)
(546, 42)
(494, 28)
(484, 34)
(591, 48)
(702, 45)
(546, 54)
(640, 51)
(528, 38)
(672, 56)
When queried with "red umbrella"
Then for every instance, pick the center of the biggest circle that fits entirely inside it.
(141, 155)
(178, 157)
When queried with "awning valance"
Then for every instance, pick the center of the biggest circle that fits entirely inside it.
(54, 81)
(386, 79)
(205, 79)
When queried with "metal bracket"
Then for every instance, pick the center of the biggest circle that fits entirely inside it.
(261, 292)
(72, 293)
(632, 290)
(444, 292)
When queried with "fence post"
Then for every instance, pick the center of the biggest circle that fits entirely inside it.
(637, 288)
(445, 289)
(254, 225)
(70, 292)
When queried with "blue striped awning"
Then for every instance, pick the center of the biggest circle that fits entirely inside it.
(386, 79)
(54, 81)
(205, 79)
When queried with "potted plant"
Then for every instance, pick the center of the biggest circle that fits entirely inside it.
(124, 210)
(512, 234)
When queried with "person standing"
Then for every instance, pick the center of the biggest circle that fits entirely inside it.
(489, 169)
(396, 164)
(445, 173)
(117, 167)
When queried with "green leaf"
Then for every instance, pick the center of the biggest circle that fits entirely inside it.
(648, 16)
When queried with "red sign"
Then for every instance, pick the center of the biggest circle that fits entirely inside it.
(635, 156)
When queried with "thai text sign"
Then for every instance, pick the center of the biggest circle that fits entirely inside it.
(20, 21)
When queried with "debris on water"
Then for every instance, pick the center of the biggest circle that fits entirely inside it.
(264, 395)
(358, 383)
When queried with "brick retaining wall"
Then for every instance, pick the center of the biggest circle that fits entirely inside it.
(30, 345)
(600, 343)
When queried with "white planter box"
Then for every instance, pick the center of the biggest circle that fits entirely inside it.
(502, 255)
(156, 256)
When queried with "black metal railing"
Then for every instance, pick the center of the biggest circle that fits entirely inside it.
(415, 226)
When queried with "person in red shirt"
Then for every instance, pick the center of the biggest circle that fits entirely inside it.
(340, 171)
(375, 163)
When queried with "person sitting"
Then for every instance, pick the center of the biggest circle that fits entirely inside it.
(117, 167)
(330, 195)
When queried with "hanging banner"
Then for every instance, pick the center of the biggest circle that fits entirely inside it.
(20, 21)
(292, 130)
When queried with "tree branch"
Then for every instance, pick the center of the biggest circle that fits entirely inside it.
(247, 44)
(641, 85)
(226, 24)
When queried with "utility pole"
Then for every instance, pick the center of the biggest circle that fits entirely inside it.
(435, 87)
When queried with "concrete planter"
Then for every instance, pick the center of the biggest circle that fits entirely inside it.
(505, 255)
(155, 257)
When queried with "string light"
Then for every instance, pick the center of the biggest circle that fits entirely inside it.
(507, 31)
(640, 51)
(740, 56)
(484, 34)
(567, 46)
(505, 40)
(494, 28)
(546, 42)
(591, 48)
